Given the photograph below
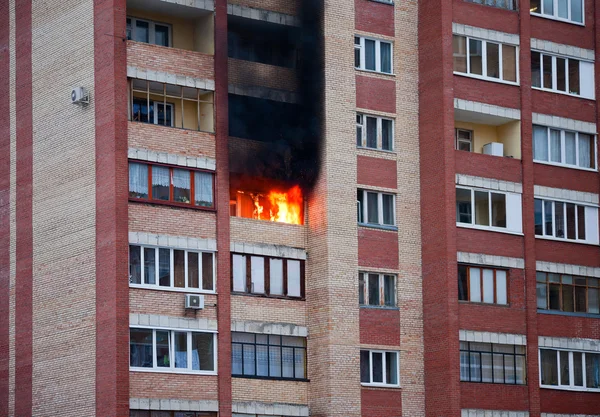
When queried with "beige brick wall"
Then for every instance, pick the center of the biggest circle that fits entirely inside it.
(408, 209)
(13, 182)
(180, 386)
(289, 392)
(251, 308)
(171, 140)
(254, 73)
(64, 187)
(169, 303)
(282, 6)
(262, 231)
(175, 221)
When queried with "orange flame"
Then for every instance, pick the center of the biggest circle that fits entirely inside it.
(288, 206)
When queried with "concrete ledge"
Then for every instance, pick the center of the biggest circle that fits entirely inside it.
(563, 123)
(277, 251)
(492, 260)
(263, 327)
(477, 107)
(198, 4)
(264, 15)
(590, 345)
(492, 413)
(556, 268)
(244, 408)
(169, 241)
(156, 321)
(564, 194)
(561, 49)
(489, 337)
(487, 34)
(173, 404)
(148, 155)
(169, 78)
(489, 183)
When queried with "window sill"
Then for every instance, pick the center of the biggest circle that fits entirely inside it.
(576, 389)
(568, 313)
(488, 229)
(364, 148)
(172, 204)
(369, 385)
(171, 371)
(172, 127)
(547, 90)
(465, 302)
(271, 378)
(555, 164)
(380, 307)
(490, 79)
(387, 74)
(379, 226)
(171, 289)
(556, 239)
(558, 19)
(271, 297)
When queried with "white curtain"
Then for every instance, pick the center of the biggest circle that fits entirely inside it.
(570, 154)
(138, 179)
(203, 189)
(160, 176)
(540, 143)
(585, 151)
(181, 179)
(555, 154)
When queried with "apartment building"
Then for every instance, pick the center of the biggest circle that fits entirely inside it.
(509, 203)
(210, 207)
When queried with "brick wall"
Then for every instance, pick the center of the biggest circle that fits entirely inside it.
(262, 231)
(494, 18)
(563, 105)
(268, 310)
(180, 386)
(168, 303)
(374, 17)
(171, 60)
(377, 248)
(381, 402)
(379, 327)
(488, 166)
(571, 179)
(486, 396)
(376, 172)
(581, 36)
(376, 93)
(175, 221)
(567, 253)
(256, 74)
(565, 402)
(290, 392)
(503, 95)
(482, 241)
(171, 140)
(291, 7)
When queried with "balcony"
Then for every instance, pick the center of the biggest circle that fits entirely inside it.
(487, 145)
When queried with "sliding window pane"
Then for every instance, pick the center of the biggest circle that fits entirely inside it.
(138, 180)
(140, 348)
(135, 264)
(536, 69)
(459, 53)
(493, 60)
(475, 285)
(391, 368)
(180, 349)
(161, 181)
(388, 209)
(293, 276)
(181, 186)
(509, 63)
(555, 151)
(374, 289)
(179, 268)
(193, 272)
(570, 221)
(372, 208)
(163, 359)
(574, 76)
(203, 351)
(559, 219)
(164, 267)
(565, 377)
(549, 367)
(547, 71)
(498, 210)
(554, 296)
(482, 208)
(541, 291)
(563, 8)
(203, 189)
(150, 266)
(488, 285)
(361, 289)
(561, 79)
(161, 35)
(463, 287)
(593, 301)
(535, 6)
(142, 31)
(548, 217)
(592, 370)
(548, 7)
(387, 135)
(570, 148)
(586, 151)
(578, 369)
(371, 132)
(377, 367)
(463, 206)
(577, 11)
(276, 276)
(385, 54)
(501, 287)
(540, 143)
(257, 273)
(370, 54)
(581, 222)
(207, 271)
(365, 368)
(476, 57)
(389, 290)
(567, 298)
(538, 217)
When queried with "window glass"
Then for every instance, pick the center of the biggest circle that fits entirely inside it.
(386, 57)
(592, 370)
(161, 35)
(377, 365)
(181, 186)
(388, 209)
(135, 265)
(555, 153)
(574, 76)
(149, 265)
(548, 7)
(563, 8)
(389, 290)
(357, 52)
(203, 189)
(373, 289)
(387, 138)
(180, 349)
(361, 289)
(535, 6)
(475, 284)
(164, 267)
(509, 63)
(459, 53)
(463, 206)
(371, 132)
(138, 180)
(359, 129)
(365, 367)
(203, 351)
(577, 11)
(536, 69)
(142, 31)
(475, 57)
(561, 74)
(207, 271)
(548, 217)
(488, 286)
(162, 349)
(391, 368)
(239, 273)
(501, 287)
(193, 270)
(179, 268)
(586, 151)
(498, 210)
(140, 348)
(276, 276)
(160, 183)
(581, 222)
(549, 366)
(493, 61)
(258, 274)
(577, 369)
(463, 287)
(564, 368)
(482, 208)
(570, 146)
(547, 71)
(559, 219)
(372, 208)
(370, 54)
(293, 270)
(128, 29)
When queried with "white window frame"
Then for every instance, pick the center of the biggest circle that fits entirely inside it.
(169, 107)
(507, 196)
(151, 30)
(458, 140)
(554, 88)
(172, 287)
(365, 213)
(365, 277)
(571, 386)
(554, 15)
(484, 75)
(383, 365)
(362, 125)
(172, 369)
(361, 48)
(563, 155)
(564, 239)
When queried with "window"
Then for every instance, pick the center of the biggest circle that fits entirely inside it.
(274, 277)
(375, 208)
(492, 362)
(561, 220)
(159, 183)
(482, 285)
(268, 356)
(146, 31)
(568, 293)
(376, 289)
(372, 55)
(568, 10)
(171, 105)
(570, 370)
(562, 74)
(464, 140)
(167, 268)
(485, 59)
(502, 4)
(374, 132)
(172, 350)
(378, 367)
(489, 209)
(564, 147)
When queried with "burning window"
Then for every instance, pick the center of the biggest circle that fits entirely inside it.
(274, 205)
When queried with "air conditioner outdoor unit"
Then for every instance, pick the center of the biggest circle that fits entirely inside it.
(194, 301)
(80, 95)
(494, 148)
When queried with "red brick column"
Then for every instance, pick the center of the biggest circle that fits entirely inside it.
(4, 203)
(222, 204)
(112, 287)
(24, 207)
